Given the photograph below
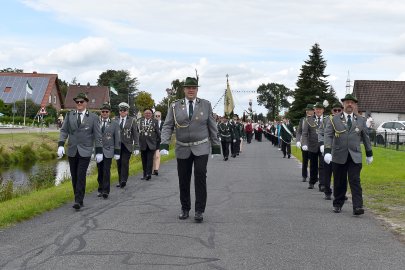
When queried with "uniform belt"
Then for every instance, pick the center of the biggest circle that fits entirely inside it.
(192, 143)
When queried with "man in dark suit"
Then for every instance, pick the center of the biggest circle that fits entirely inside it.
(111, 148)
(149, 138)
(82, 130)
(225, 136)
(286, 135)
(310, 143)
(309, 111)
(156, 158)
(196, 134)
(343, 135)
(129, 143)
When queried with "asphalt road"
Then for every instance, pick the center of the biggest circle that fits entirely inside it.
(259, 216)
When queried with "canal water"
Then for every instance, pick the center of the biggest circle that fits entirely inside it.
(21, 175)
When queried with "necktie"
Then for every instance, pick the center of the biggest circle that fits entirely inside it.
(319, 121)
(79, 119)
(122, 123)
(103, 127)
(190, 109)
(349, 121)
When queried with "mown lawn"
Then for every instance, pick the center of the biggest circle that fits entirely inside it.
(12, 140)
(383, 184)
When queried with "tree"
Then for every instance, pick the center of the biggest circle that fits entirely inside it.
(143, 100)
(273, 97)
(15, 70)
(312, 85)
(63, 86)
(32, 108)
(177, 86)
(125, 86)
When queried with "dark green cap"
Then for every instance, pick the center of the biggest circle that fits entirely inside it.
(81, 96)
(105, 106)
(319, 105)
(191, 82)
(349, 97)
(337, 105)
(309, 107)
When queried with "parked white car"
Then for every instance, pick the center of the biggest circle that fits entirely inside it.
(392, 128)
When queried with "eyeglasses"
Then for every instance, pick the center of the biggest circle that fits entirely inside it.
(337, 110)
(105, 111)
(157, 115)
(123, 110)
(79, 101)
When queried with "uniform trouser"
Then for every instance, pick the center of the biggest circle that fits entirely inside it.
(327, 172)
(316, 167)
(236, 147)
(184, 170)
(259, 136)
(78, 169)
(104, 175)
(305, 159)
(123, 164)
(341, 173)
(249, 136)
(147, 161)
(286, 148)
(225, 148)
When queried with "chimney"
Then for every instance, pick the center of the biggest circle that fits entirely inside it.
(34, 72)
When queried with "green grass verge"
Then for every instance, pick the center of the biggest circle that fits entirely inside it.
(37, 202)
(383, 183)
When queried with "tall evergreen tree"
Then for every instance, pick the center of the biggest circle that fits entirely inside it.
(312, 85)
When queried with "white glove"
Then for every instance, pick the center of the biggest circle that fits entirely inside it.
(327, 158)
(322, 149)
(117, 157)
(219, 138)
(234, 140)
(240, 139)
(164, 152)
(369, 160)
(298, 144)
(99, 158)
(136, 152)
(61, 151)
(305, 147)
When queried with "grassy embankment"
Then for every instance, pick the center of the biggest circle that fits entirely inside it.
(383, 184)
(20, 148)
(39, 201)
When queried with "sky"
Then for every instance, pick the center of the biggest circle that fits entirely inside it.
(253, 41)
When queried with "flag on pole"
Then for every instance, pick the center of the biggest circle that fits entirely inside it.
(112, 89)
(229, 105)
(28, 88)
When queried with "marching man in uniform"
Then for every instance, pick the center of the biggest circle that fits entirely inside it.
(82, 130)
(129, 142)
(196, 134)
(225, 136)
(286, 135)
(343, 135)
(111, 148)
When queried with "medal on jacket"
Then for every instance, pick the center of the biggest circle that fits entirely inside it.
(357, 129)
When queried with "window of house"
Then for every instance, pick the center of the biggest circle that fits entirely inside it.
(50, 99)
(54, 99)
(93, 100)
(7, 89)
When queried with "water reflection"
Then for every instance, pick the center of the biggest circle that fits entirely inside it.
(21, 175)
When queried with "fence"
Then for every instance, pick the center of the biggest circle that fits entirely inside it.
(389, 140)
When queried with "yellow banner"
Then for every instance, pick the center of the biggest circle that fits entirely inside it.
(228, 102)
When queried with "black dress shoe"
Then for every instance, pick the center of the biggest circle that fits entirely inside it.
(183, 214)
(311, 186)
(358, 211)
(346, 198)
(118, 185)
(76, 206)
(155, 172)
(337, 209)
(304, 179)
(143, 177)
(234, 156)
(321, 188)
(105, 195)
(226, 158)
(289, 156)
(148, 177)
(123, 184)
(81, 204)
(198, 217)
(99, 194)
(328, 197)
